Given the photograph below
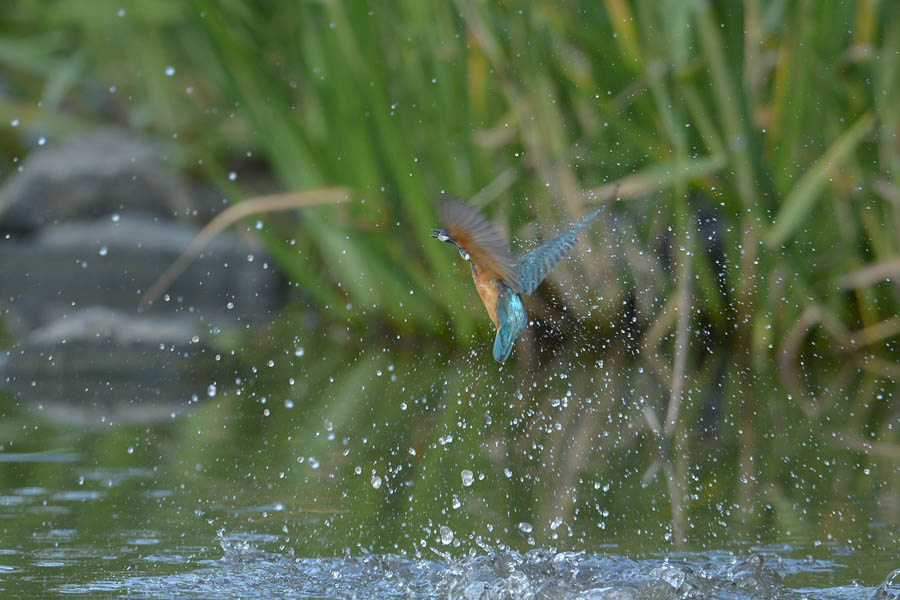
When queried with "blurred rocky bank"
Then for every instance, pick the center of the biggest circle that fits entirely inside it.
(85, 229)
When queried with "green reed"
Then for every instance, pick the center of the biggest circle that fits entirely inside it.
(775, 121)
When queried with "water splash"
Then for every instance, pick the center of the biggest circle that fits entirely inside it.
(247, 572)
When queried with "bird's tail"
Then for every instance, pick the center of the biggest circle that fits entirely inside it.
(511, 320)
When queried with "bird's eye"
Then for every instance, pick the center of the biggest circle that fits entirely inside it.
(464, 254)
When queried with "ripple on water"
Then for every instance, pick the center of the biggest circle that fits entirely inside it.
(13, 500)
(78, 495)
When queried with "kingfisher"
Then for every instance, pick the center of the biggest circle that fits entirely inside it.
(500, 278)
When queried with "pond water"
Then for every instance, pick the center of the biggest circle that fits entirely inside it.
(410, 473)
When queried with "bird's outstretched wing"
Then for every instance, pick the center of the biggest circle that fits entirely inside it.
(537, 264)
(486, 248)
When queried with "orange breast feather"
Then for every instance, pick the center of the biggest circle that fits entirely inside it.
(487, 288)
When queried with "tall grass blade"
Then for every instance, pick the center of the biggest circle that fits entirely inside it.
(230, 216)
(801, 200)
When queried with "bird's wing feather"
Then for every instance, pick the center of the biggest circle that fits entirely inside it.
(537, 264)
(473, 233)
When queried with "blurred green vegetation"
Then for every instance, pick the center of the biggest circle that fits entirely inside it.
(774, 121)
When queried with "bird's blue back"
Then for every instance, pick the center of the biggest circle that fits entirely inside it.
(537, 264)
(511, 320)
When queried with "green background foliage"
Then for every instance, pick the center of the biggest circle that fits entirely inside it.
(777, 118)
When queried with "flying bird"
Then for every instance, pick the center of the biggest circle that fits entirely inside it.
(500, 278)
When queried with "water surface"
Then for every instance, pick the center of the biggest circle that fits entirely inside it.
(410, 474)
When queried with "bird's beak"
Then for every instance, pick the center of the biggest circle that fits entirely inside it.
(440, 235)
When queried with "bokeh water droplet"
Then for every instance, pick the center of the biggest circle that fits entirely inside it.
(446, 535)
(467, 477)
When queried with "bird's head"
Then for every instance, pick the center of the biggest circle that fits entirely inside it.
(442, 236)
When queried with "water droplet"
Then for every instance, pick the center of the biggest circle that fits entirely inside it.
(170, 71)
(376, 482)
(446, 535)
(232, 176)
(103, 251)
(525, 527)
(467, 477)
(211, 390)
(313, 463)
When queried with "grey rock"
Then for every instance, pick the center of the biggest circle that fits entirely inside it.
(94, 175)
(111, 263)
(98, 366)
(85, 229)
(101, 324)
